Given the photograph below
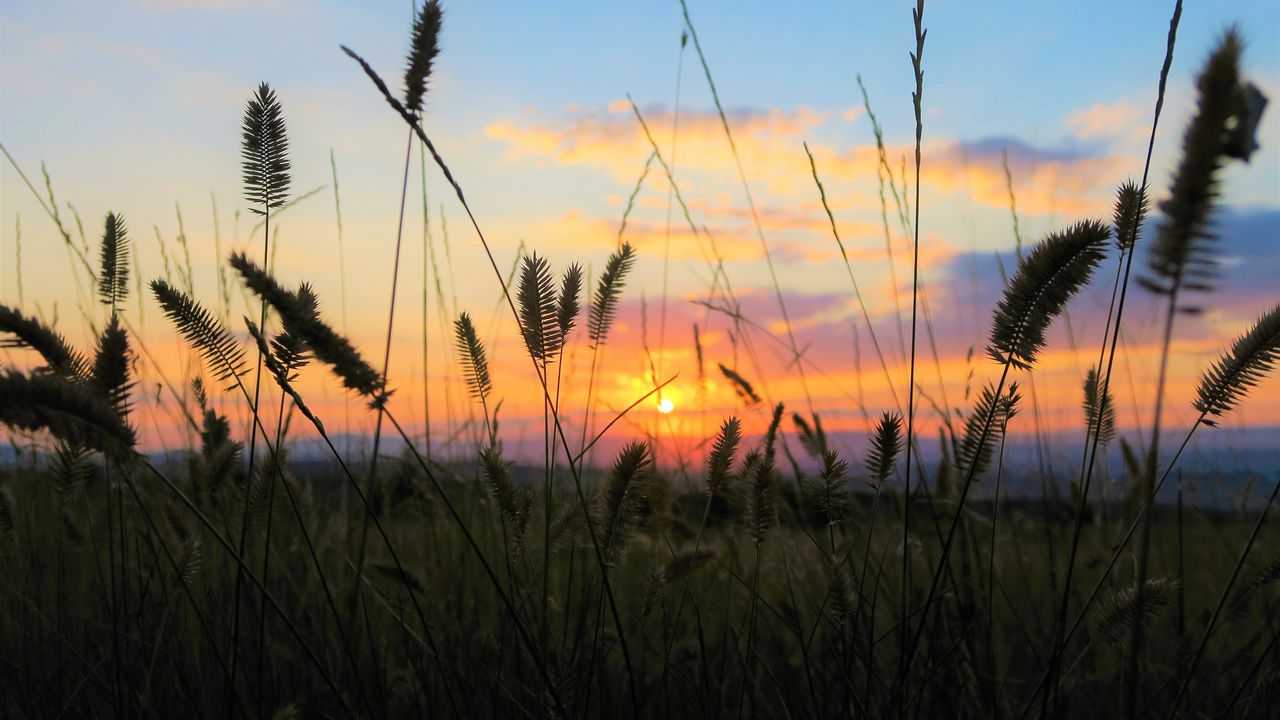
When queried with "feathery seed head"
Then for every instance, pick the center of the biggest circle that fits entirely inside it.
(264, 152)
(113, 275)
(300, 317)
(740, 386)
(761, 511)
(886, 443)
(812, 437)
(829, 492)
(300, 314)
(285, 354)
(720, 459)
(475, 366)
(604, 305)
(422, 53)
(538, 312)
(1099, 409)
(1055, 269)
(19, 331)
(570, 300)
(1121, 611)
(771, 435)
(1251, 357)
(63, 409)
(990, 417)
(1182, 256)
(1131, 210)
(111, 366)
(202, 330)
(621, 496)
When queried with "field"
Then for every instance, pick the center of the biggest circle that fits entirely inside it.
(765, 570)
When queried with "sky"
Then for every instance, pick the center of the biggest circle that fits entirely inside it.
(1033, 114)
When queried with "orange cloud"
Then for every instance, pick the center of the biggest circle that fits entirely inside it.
(1044, 181)
(793, 234)
(615, 141)
(769, 143)
(1043, 184)
(1106, 120)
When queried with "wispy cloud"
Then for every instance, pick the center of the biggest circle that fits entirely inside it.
(614, 141)
(1119, 119)
(1046, 179)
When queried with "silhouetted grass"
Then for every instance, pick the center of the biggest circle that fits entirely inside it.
(138, 588)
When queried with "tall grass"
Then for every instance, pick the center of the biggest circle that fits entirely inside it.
(788, 580)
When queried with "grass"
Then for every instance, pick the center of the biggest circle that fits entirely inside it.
(174, 664)
(240, 583)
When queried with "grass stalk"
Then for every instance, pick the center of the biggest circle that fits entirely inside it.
(917, 15)
(371, 480)
(1116, 308)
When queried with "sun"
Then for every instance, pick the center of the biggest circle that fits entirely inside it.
(665, 406)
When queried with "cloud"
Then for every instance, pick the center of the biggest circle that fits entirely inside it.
(1047, 180)
(651, 237)
(1105, 121)
(614, 140)
(726, 232)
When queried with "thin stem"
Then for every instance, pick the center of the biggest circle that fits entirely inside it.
(751, 205)
(253, 447)
(488, 569)
(751, 626)
(1093, 436)
(245, 570)
(943, 560)
(1148, 498)
(1114, 559)
(666, 239)
(266, 547)
(918, 18)
(386, 365)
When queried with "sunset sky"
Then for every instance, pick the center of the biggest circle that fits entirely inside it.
(135, 107)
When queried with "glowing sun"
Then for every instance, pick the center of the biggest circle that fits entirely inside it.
(665, 406)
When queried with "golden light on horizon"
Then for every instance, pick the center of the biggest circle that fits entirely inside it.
(665, 405)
